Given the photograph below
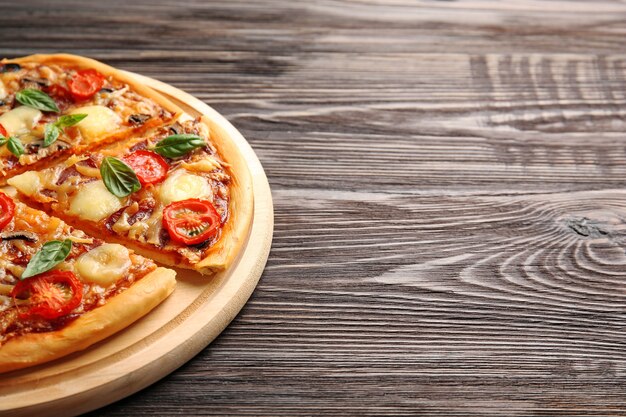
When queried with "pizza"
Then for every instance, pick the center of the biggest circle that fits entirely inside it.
(168, 194)
(104, 179)
(55, 105)
(93, 290)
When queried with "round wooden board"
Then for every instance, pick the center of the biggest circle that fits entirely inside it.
(195, 314)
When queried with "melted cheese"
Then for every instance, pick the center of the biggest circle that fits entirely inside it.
(100, 122)
(182, 185)
(20, 121)
(88, 171)
(3, 90)
(104, 265)
(74, 159)
(94, 202)
(28, 183)
(203, 165)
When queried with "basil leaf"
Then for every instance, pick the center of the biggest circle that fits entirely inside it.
(51, 254)
(69, 120)
(15, 146)
(3, 140)
(119, 178)
(175, 146)
(51, 134)
(36, 99)
(53, 130)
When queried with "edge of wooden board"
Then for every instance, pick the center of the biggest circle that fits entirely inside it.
(73, 385)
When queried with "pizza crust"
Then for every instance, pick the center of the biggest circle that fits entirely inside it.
(240, 207)
(82, 62)
(118, 312)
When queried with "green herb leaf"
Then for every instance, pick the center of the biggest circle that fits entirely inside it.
(53, 130)
(15, 146)
(51, 254)
(3, 140)
(119, 178)
(175, 146)
(51, 134)
(69, 120)
(36, 99)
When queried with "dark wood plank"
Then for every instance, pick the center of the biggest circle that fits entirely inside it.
(448, 180)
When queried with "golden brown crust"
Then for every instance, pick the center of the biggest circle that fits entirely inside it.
(119, 312)
(240, 207)
(82, 62)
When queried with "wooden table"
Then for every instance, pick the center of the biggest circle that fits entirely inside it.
(449, 188)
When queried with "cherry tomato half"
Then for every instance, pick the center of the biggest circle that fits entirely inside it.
(191, 221)
(51, 295)
(7, 209)
(3, 131)
(85, 83)
(150, 167)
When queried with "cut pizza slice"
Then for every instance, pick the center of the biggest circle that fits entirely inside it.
(55, 105)
(62, 290)
(176, 194)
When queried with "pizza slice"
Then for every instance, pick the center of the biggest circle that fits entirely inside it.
(62, 290)
(55, 105)
(177, 194)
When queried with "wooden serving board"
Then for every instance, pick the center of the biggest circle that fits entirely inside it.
(195, 314)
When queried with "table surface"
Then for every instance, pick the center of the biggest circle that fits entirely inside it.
(448, 181)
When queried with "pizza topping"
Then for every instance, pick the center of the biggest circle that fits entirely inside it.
(104, 265)
(138, 119)
(51, 254)
(101, 122)
(85, 83)
(3, 92)
(35, 82)
(59, 93)
(3, 131)
(175, 146)
(150, 167)
(53, 130)
(119, 178)
(19, 235)
(191, 221)
(181, 185)
(28, 183)
(20, 121)
(94, 202)
(36, 99)
(50, 295)
(14, 145)
(206, 164)
(7, 210)
(87, 170)
(9, 68)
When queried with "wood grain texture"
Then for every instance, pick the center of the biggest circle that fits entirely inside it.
(448, 180)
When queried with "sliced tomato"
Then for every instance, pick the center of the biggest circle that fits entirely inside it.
(150, 167)
(191, 221)
(85, 83)
(50, 295)
(7, 209)
(3, 131)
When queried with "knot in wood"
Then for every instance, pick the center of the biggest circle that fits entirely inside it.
(588, 228)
